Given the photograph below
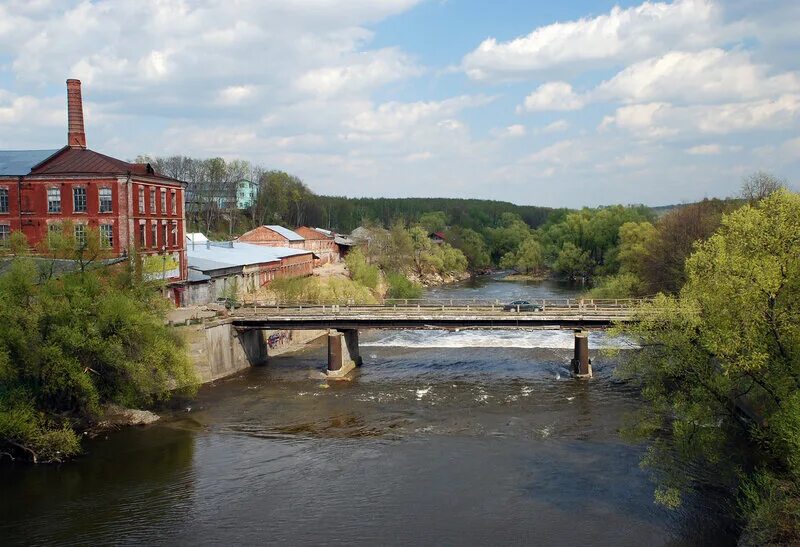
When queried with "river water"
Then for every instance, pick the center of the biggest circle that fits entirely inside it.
(472, 437)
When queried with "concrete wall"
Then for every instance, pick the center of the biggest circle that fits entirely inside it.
(218, 350)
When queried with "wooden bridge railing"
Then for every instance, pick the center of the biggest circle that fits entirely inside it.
(552, 306)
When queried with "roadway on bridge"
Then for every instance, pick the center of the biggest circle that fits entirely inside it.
(553, 315)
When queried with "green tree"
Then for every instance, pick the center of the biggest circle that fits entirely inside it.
(360, 271)
(720, 367)
(70, 345)
(573, 261)
(434, 221)
(634, 241)
(402, 287)
(472, 244)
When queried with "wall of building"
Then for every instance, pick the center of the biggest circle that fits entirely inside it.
(29, 212)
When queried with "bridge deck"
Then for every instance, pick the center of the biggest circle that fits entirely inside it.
(428, 316)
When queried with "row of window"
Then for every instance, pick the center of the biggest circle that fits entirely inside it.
(169, 233)
(79, 204)
(173, 201)
(104, 199)
(106, 234)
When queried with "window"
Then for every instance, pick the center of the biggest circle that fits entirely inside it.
(5, 233)
(104, 194)
(174, 198)
(165, 228)
(79, 199)
(152, 201)
(174, 234)
(80, 235)
(142, 242)
(163, 201)
(106, 236)
(154, 233)
(54, 200)
(141, 201)
(3, 200)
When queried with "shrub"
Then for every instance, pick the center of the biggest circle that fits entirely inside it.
(402, 287)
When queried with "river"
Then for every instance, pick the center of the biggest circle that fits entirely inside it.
(464, 438)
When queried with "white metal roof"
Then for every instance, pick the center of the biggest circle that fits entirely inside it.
(286, 232)
(196, 237)
(234, 254)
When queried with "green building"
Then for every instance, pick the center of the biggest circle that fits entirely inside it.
(246, 193)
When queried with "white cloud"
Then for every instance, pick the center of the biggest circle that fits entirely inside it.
(366, 72)
(556, 127)
(552, 96)
(559, 153)
(511, 132)
(235, 94)
(711, 75)
(621, 34)
(662, 119)
(392, 120)
(704, 149)
(419, 156)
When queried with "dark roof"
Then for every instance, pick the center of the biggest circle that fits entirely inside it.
(79, 161)
(439, 235)
(20, 162)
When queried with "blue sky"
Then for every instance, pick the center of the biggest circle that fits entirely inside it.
(554, 103)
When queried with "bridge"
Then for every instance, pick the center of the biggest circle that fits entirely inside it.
(345, 321)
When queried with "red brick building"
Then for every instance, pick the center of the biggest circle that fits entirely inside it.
(320, 243)
(273, 236)
(129, 204)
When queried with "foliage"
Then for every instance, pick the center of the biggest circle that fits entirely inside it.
(573, 262)
(402, 287)
(317, 290)
(472, 245)
(621, 285)
(507, 237)
(71, 344)
(662, 267)
(360, 271)
(634, 240)
(720, 367)
(528, 258)
(434, 221)
(594, 233)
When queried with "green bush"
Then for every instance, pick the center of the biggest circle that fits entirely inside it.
(402, 287)
(317, 290)
(360, 271)
(624, 285)
(71, 344)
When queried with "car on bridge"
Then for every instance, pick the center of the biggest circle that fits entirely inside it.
(521, 305)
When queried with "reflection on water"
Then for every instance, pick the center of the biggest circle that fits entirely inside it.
(431, 443)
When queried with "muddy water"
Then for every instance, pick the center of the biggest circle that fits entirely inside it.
(440, 439)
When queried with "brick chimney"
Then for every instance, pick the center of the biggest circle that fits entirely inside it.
(76, 136)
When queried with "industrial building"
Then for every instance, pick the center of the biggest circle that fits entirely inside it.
(219, 269)
(128, 204)
(273, 236)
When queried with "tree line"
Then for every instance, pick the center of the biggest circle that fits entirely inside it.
(285, 199)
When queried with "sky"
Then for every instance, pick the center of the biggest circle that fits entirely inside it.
(569, 103)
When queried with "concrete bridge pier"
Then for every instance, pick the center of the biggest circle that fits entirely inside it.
(343, 353)
(581, 364)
